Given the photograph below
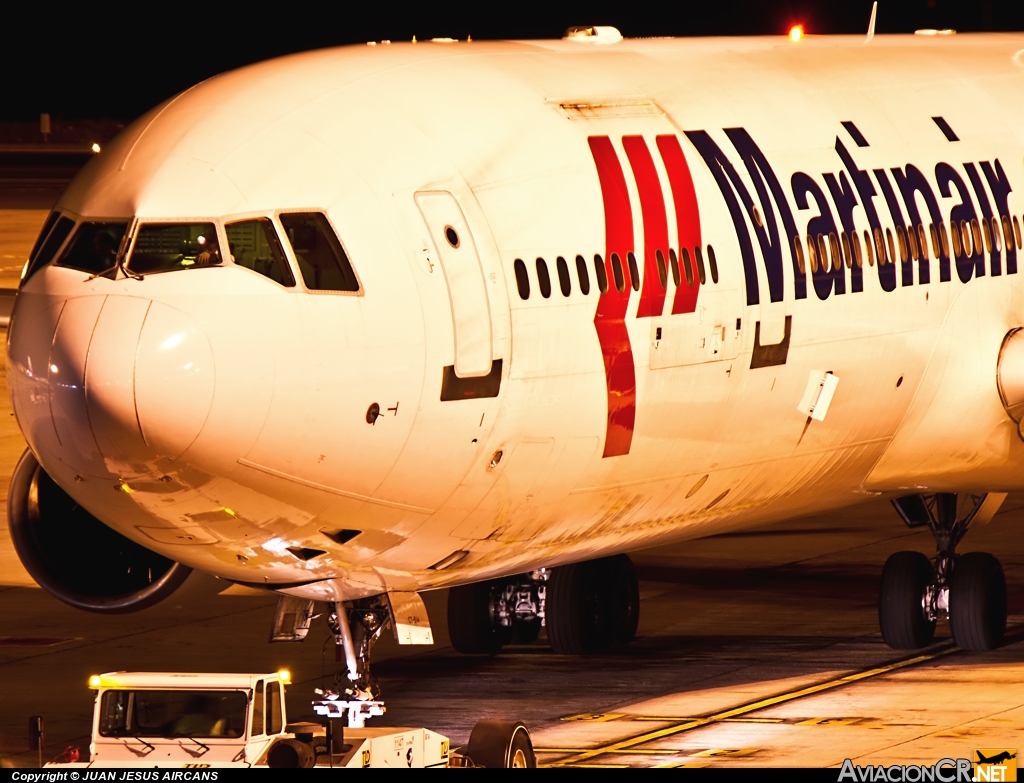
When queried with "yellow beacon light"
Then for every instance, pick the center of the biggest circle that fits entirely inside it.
(285, 677)
(94, 681)
(796, 32)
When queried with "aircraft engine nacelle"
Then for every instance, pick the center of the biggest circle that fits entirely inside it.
(77, 558)
(1010, 374)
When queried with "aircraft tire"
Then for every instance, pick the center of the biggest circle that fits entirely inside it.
(900, 613)
(470, 627)
(579, 610)
(977, 602)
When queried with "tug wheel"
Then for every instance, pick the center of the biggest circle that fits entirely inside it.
(501, 744)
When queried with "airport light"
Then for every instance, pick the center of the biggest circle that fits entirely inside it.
(94, 681)
(285, 677)
(796, 32)
(95, 147)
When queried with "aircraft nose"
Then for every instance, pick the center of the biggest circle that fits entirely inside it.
(110, 384)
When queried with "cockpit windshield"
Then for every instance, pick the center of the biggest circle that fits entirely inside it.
(94, 247)
(163, 247)
(173, 714)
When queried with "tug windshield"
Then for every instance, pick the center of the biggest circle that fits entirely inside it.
(173, 714)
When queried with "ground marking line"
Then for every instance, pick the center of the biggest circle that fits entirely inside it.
(755, 706)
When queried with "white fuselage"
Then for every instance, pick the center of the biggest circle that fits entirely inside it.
(221, 419)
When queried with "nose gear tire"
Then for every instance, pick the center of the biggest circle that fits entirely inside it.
(901, 614)
(499, 744)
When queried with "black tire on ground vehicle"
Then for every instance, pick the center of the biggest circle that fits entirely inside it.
(291, 754)
(625, 599)
(501, 744)
(900, 610)
(579, 612)
(525, 631)
(470, 626)
(977, 602)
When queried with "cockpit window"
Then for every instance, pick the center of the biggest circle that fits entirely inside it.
(49, 247)
(254, 245)
(322, 260)
(47, 228)
(163, 247)
(94, 247)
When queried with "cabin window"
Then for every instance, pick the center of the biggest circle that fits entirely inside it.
(869, 248)
(798, 254)
(522, 279)
(1016, 233)
(986, 234)
(712, 264)
(997, 235)
(922, 241)
(879, 246)
(49, 243)
(912, 241)
(935, 240)
(601, 273)
(166, 247)
(943, 239)
(892, 247)
(977, 234)
(901, 238)
(673, 262)
(255, 245)
(698, 258)
(1007, 233)
(583, 275)
(322, 260)
(94, 247)
(687, 266)
(620, 283)
(847, 250)
(954, 234)
(563, 276)
(812, 253)
(662, 271)
(833, 243)
(823, 252)
(965, 238)
(634, 273)
(543, 278)
(858, 254)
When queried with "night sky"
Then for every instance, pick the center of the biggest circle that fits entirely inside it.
(91, 63)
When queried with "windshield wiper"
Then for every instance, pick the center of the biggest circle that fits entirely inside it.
(193, 739)
(151, 747)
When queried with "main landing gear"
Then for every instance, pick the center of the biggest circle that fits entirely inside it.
(968, 589)
(586, 607)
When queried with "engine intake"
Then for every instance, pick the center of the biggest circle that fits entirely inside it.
(75, 557)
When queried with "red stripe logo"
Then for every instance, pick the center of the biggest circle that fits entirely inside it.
(687, 215)
(620, 375)
(652, 207)
(609, 321)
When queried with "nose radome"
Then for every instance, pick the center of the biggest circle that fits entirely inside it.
(174, 380)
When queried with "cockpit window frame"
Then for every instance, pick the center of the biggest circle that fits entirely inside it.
(290, 252)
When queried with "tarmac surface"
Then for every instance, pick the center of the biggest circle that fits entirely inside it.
(758, 648)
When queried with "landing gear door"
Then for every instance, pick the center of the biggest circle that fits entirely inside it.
(464, 276)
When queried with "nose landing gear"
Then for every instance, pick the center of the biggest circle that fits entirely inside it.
(968, 589)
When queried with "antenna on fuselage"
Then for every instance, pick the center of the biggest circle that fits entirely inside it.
(871, 23)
